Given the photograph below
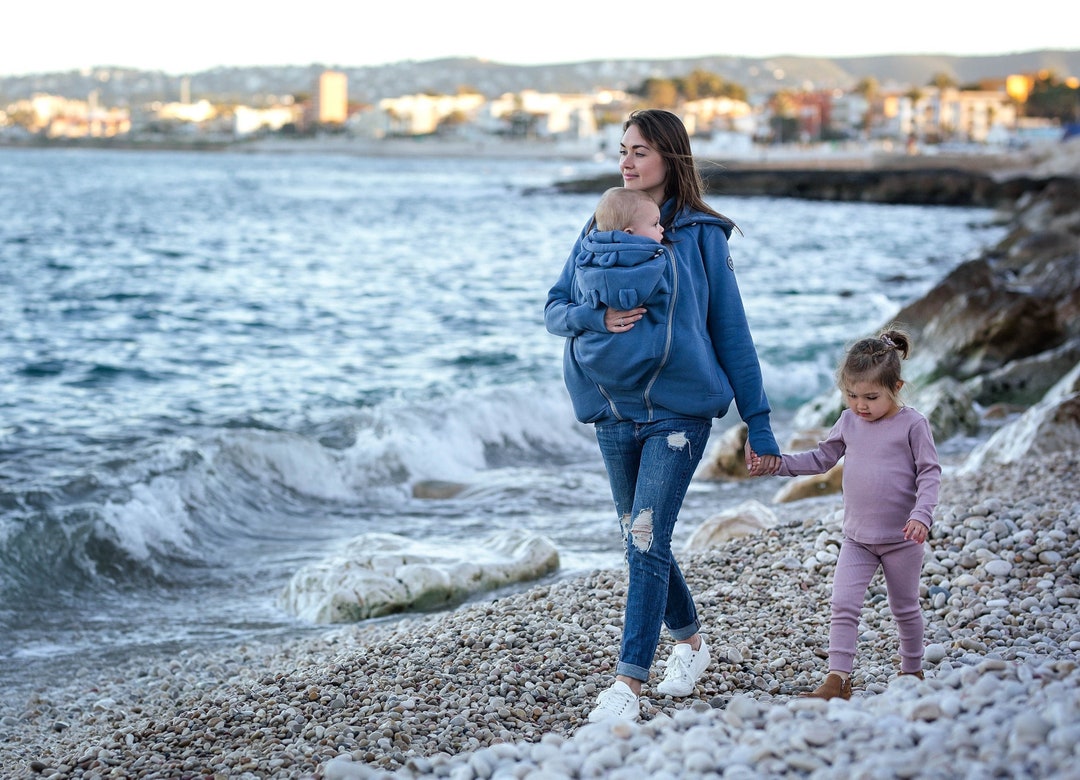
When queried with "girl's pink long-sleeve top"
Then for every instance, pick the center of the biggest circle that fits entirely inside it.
(891, 472)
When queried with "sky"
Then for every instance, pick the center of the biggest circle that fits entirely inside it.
(196, 35)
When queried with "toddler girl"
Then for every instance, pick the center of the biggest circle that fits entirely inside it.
(890, 485)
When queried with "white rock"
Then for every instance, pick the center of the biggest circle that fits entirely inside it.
(934, 653)
(746, 519)
(1052, 425)
(383, 574)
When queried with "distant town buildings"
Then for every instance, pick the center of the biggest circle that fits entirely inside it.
(55, 117)
(915, 116)
(933, 114)
(416, 115)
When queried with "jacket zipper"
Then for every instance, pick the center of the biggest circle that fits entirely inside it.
(610, 401)
(668, 333)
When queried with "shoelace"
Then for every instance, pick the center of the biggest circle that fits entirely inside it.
(678, 666)
(617, 701)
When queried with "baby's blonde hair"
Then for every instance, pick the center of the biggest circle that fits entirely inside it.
(617, 207)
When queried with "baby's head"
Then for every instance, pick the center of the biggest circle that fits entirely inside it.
(631, 211)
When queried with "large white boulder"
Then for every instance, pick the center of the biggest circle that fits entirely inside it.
(382, 574)
(1052, 425)
(746, 519)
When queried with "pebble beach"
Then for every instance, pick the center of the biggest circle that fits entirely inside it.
(500, 688)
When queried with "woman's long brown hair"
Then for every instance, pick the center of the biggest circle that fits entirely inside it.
(665, 133)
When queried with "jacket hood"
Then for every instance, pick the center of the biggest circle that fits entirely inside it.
(687, 216)
(610, 248)
(619, 269)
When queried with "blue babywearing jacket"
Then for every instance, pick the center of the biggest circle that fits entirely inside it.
(696, 319)
(623, 271)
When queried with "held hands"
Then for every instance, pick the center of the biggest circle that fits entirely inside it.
(761, 465)
(620, 321)
(916, 531)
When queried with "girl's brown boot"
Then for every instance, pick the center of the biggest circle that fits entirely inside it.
(918, 674)
(834, 687)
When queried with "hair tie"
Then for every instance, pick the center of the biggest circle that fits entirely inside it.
(888, 342)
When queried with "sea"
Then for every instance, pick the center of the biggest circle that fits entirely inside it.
(219, 368)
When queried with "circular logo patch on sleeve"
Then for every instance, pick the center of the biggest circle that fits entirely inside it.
(730, 263)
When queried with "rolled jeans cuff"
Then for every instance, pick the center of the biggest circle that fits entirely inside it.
(632, 670)
(685, 633)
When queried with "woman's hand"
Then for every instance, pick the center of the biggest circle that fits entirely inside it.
(620, 321)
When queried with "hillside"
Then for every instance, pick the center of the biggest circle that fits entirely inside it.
(254, 85)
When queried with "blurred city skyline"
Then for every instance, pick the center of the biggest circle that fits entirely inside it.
(200, 35)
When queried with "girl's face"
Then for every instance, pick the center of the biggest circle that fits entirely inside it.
(871, 401)
(641, 165)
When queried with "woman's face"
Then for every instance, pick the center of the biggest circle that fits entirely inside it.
(641, 165)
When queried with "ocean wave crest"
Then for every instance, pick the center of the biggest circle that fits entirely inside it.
(178, 509)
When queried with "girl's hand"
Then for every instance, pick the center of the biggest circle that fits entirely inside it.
(760, 465)
(916, 531)
(620, 321)
(766, 465)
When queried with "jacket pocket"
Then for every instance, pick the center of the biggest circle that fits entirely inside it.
(619, 361)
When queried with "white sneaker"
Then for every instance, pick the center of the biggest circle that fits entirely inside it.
(618, 701)
(684, 667)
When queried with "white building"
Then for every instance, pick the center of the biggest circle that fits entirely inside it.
(195, 113)
(417, 114)
(248, 120)
(948, 114)
(542, 114)
(717, 115)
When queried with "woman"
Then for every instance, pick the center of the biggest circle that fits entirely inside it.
(652, 434)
